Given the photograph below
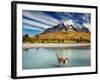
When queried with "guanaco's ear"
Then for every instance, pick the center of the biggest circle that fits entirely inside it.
(66, 58)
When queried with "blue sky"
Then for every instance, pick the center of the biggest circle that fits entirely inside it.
(35, 22)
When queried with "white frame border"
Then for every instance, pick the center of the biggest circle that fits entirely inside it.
(21, 72)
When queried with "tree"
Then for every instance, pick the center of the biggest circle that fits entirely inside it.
(37, 36)
(25, 37)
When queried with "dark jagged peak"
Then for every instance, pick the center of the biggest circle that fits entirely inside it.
(58, 28)
(79, 29)
(84, 29)
(62, 27)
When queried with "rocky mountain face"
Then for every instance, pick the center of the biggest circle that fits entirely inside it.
(64, 28)
(62, 33)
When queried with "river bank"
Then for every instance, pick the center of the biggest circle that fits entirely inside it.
(30, 45)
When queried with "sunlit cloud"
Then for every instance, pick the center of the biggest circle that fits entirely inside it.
(26, 26)
(42, 17)
(35, 23)
(68, 15)
(48, 17)
(69, 22)
(63, 16)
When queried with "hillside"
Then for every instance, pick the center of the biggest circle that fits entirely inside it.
(61, 37)
(61, 33)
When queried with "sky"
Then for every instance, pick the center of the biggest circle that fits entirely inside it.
(35, 22)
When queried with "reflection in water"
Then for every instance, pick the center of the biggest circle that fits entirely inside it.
(46, 57)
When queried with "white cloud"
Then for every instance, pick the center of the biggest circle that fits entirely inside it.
(31, 28)
(69, 22)
(35, 23)
(40, 16)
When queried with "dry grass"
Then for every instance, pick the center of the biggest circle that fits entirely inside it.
(62, 37)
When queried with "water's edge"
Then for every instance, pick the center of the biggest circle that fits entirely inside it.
(69, 45)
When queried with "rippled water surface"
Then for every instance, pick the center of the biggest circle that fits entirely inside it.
(46, 57)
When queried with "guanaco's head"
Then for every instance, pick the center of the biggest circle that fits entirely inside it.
(67, 59)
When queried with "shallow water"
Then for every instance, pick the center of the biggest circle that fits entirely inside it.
(38, 58)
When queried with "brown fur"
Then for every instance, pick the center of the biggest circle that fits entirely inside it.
(62, 59)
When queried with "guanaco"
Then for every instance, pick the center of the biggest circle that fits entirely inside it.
(62, 59)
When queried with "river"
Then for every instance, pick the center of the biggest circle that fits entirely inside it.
(38, 58)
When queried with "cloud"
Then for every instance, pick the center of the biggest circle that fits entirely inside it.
(40, 16)
(29, 27)
(86, 17)
(41, 20)
(69, 22)
(35, 23)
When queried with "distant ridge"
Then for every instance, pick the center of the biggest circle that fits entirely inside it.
(64, 28)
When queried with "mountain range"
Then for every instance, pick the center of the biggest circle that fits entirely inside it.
(61, 33)
(65, 28)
